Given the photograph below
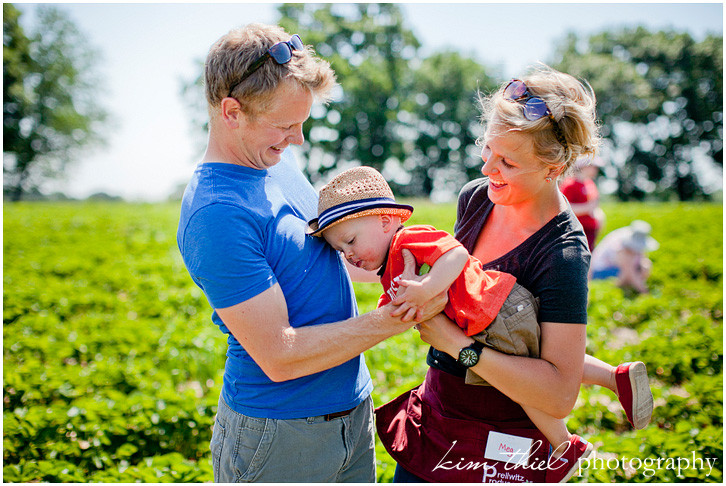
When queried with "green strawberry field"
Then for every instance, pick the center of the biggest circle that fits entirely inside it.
(112, 367)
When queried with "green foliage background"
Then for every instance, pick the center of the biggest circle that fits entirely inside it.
(413, 114)
(112, 368)
(51, 102)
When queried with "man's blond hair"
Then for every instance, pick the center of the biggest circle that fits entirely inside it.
(234, 52)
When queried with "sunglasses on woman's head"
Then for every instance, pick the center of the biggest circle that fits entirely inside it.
(533, 107)
(280, 52)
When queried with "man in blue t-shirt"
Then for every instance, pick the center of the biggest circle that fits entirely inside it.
(295, 403)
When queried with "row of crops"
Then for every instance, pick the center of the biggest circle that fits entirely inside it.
(112, 368)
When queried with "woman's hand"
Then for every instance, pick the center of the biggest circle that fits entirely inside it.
(443, 334)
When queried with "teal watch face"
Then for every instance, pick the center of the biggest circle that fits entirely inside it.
(468, 357)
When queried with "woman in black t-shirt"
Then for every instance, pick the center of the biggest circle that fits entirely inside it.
(517, 221)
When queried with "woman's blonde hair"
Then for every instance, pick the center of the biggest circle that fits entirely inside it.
(234, 52)
(572, 104)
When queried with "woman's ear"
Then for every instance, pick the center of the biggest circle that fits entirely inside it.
(555, 172)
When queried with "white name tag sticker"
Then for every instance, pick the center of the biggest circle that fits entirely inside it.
(508, 448)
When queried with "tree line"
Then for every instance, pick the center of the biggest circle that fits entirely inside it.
(660, 103)
(50, 108)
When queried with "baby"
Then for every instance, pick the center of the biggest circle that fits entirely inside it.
(358, 216)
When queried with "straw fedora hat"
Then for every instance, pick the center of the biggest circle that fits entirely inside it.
(357, 192)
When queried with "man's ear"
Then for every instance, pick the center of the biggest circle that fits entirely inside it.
(231, 113)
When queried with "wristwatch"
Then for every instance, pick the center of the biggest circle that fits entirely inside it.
(469, 356)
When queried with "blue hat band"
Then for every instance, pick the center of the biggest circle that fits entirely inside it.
(344, 209)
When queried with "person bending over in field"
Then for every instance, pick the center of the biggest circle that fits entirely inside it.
(622, 254)
(358, 216)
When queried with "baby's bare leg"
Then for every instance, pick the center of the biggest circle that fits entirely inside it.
(633, 391)
(597, 372)
(554, 430)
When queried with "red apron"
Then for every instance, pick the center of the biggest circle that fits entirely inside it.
(447, 431)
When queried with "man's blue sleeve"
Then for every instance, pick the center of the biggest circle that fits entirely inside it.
(223, 249)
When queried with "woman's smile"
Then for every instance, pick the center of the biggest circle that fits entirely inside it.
(496, 184)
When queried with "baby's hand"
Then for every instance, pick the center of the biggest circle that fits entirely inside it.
(412, 292)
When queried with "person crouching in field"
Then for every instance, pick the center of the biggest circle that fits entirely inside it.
(358, 216)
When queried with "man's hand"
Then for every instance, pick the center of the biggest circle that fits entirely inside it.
(412, 297)
(411, 312)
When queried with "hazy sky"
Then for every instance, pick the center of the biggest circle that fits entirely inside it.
(147, 49)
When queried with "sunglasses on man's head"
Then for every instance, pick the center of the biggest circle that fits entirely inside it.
(280, 52)
(533, 107)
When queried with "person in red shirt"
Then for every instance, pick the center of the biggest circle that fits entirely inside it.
(581, 191)
(476, 296)
(359, 217)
